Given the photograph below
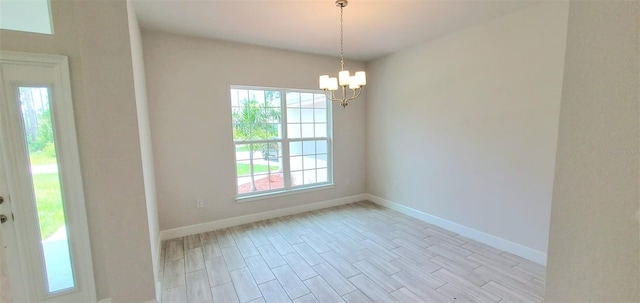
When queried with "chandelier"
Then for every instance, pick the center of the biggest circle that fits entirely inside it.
(344, 80)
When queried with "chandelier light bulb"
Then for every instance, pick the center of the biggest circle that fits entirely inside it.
(324, 82)
(333, 84)
(353, 82)
(343, 77)
(361, 78)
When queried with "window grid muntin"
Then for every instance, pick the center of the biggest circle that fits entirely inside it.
(327, 171)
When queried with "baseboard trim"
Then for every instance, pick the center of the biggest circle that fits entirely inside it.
(108, 300)
(224, 223)
(159, 281)
(497, 242)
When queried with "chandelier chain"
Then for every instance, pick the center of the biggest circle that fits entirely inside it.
(341, 40)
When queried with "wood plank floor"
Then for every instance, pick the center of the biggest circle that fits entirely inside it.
(360, 252)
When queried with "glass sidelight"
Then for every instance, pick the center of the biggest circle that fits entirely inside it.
(46, 188)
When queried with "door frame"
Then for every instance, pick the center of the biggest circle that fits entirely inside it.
(52, 71)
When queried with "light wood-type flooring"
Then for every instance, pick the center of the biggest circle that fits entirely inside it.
(360, 252)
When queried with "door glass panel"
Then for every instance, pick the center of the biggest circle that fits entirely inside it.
(38, 127)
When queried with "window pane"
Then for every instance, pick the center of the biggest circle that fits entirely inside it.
(242, 151)
(254, 121)
(307, 115)
(309, 176)
(261, 173)
(275, 165)
(295, 163)
(266, 165)
(321, 160)
(271, 130)
(243, 95)
(307, 130)
(321, 146)
(261, 181)
(306, 100)
(257, 95)
(320, 101)
(309, 162)
(243, 168)
(322, 175)
(237, 130)
(28, 16)
(293, 99)
(276, 181)
(308, 147)
(273, 114)
(47, 189)
(293, 115)
(320, 115)
(321, 130)
(234, 98)
(293, 131)
(295, 148)
(273, 98)
(271, 151)
(296, 178)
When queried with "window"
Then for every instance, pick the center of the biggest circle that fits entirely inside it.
(282, 139)
(32, 16)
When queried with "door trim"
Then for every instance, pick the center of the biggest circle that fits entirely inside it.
(56, 70)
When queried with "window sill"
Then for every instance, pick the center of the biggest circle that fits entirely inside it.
(270, 195)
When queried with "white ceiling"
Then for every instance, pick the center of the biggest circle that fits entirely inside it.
(371, 28)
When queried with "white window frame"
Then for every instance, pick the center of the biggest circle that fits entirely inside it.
(27, 276)
(285, 143)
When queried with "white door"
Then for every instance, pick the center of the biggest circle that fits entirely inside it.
(44, 230)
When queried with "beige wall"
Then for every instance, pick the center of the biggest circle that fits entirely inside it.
(464, 127)
(146, 149)
(107, 128)
(593, 241)
(188, 88)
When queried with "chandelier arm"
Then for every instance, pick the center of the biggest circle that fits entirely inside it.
(333, 96)
(326, 93)
(329, 94)
(345, 100)
(356, 93)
